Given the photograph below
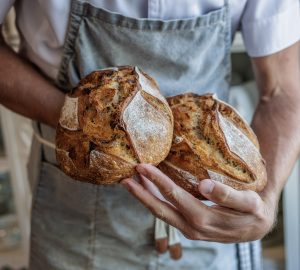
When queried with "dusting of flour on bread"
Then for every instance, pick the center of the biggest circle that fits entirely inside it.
(240, 144)
(69, 114)
(216, 176)
(145, 126)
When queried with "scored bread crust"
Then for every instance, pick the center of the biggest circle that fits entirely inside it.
(113, 120)
(211, 140)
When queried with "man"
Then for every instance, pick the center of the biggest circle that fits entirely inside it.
(185, 45)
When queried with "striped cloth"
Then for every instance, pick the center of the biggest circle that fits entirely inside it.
(249, 256)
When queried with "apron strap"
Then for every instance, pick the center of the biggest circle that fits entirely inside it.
(167, 237)
(37, 133)
(44, 136)
(43, 141)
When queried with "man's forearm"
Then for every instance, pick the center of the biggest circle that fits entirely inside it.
(277, 118)
(24, 90)
(277, 127)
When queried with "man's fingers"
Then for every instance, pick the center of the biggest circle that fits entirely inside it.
(187, 204)
(216, 224)
(147, 184)
(160, 209)
(212, 224)
(243, 201)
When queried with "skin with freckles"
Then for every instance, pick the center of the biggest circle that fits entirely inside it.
(238, 216)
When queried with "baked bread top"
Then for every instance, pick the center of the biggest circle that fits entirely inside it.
(114, 119)
(211, 140)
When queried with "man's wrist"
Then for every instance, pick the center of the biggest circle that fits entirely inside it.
(57, 106)
(271, 193)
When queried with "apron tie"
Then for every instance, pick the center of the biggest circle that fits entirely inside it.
(43, 141)
(167, 237)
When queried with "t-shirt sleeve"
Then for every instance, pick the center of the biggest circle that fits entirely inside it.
(5, 5)
(270, 26)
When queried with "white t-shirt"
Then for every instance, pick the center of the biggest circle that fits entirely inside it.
(268, 26)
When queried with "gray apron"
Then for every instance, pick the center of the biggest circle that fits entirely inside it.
(78, 225)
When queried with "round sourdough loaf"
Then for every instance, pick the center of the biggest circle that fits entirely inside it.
(114, 119)
(211, 140)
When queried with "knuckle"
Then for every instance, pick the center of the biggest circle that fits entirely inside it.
(158, 212)
(254, 204)
(173, 194)
(223, 196)
(192, 236)
(188, 236)
(198, 222)
(195, 221)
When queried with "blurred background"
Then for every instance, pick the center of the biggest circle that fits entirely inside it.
(281, 248)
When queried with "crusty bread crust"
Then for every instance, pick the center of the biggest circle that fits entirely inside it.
(211, 140)
(114, 119)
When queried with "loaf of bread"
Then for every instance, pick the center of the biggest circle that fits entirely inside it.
(114, 119)
(212, 141)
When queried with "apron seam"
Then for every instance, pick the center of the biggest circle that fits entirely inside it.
(33, 210)
(195, 27)
(92, 239)
(68, 50)
(227, 40)
(87, 10)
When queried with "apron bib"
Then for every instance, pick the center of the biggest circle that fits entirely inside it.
(78, 225)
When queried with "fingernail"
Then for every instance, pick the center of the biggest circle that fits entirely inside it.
(125, 183)
(206, 186)
(140, 169)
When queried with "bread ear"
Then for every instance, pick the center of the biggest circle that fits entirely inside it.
(69, 114)
(146, 126)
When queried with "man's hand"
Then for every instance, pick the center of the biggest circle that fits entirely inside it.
(238, 216)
